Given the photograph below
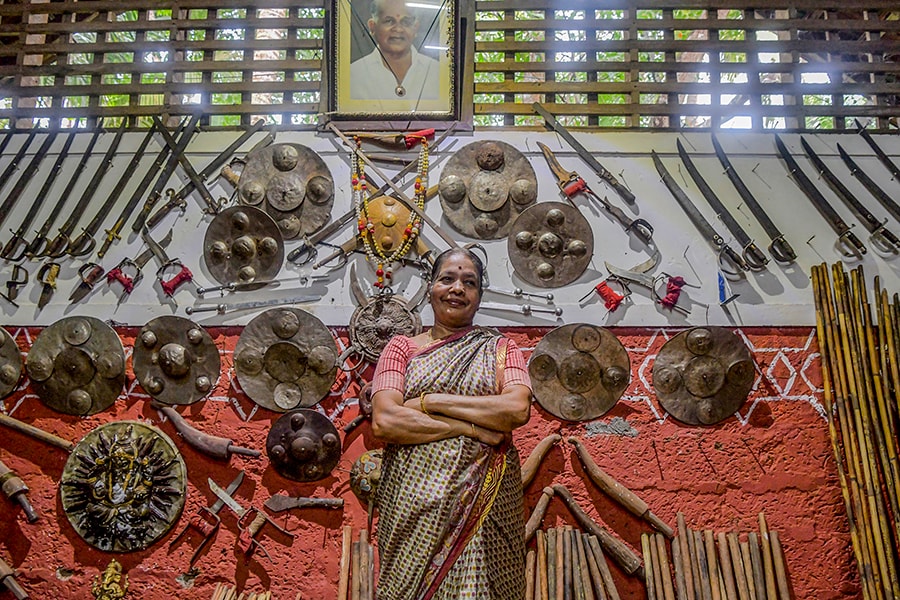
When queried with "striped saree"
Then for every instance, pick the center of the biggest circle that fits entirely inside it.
(450, 512)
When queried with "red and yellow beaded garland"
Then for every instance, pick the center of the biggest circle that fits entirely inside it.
(374, 251)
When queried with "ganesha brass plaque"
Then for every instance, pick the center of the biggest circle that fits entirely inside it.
(123, 486)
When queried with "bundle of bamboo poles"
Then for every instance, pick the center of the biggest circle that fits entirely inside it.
(861, 377)
(357, 578)
(568, 564)
(716, 566)
(227, 592)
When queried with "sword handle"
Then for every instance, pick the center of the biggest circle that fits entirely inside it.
(81, 246)
(56, 248)
(642, 230)
(174, 201)
(727, 255)
(183, 276)
(111, 236)
(15, 242)
(36, 247)
(149, 203)
(247, 538)
(782, 251)
(849, 245)
(754, 257)
(885, 240)
(217, 308)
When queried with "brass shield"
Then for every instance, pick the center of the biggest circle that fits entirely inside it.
(175, 360)
(703, 375)
(550, 244)
(243, 245)
(303, 445)
(579, 371)
(10, 363)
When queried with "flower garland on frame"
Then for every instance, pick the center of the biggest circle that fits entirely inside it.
(374, 251)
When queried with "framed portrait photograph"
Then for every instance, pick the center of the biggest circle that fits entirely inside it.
(395, 59)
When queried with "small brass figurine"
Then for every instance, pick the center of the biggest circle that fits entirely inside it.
(113, 585)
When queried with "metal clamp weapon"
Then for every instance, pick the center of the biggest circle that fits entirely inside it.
(673, 286)
(882, 156)
(164, 175)
(206, 520)
(847, 243)
(880, 236)
(27, 173)
(779, 247)
(184, 275)
(17, 241)
(177, 200)
(57, 247)
(130, 272)
(870, 184)
(729, 260)
(38, 246)
(571, 183)
(754, 257)
(89, 273)
(250, 521)
(586, 156)
(84, 244)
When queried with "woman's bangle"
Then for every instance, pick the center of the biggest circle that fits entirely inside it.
(422, 404)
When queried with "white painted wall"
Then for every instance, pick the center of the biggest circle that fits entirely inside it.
(780, 295)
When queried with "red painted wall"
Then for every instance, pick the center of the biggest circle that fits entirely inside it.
(773, 456)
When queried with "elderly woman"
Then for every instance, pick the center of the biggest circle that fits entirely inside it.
(450, 495)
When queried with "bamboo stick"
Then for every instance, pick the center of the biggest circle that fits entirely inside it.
(709, 545)
(596, 577)
(678, 563)
(650, 569)
(605, 573)
(364, 564)
(568, 585)
(737, 565)
(346, 543)
(731, 591)
(748, 569)
(584, 568)
(780, 571)
(529, 574)
(663, 558)
(543, 591)
(702, 565)
(551, 563)
(686, 558)
(756, 566)
(695, 564)
(560, 565)
(578, 592)
(354, 572)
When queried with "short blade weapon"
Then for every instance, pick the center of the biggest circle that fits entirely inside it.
(84, 243)
(754, 257)
(57, 246)
(847, 243)
(586, 156)
(47, 276)
(18, 239)
(889, 204)
(880, 236)
(250, 520)
(730, 261)
(882, 156)
(130, 272)
(779, 247)
(206, 520)
(571, 183)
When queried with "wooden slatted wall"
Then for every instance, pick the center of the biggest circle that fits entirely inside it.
(623, 64)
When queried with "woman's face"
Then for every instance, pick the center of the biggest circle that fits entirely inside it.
(454, 292)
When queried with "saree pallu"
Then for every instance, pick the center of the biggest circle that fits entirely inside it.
(450, 512)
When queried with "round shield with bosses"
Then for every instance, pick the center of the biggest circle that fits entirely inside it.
(285, 359)
(292, 184)
(243, 245)
(303, 445)
(703, 375)
(579, 371)
(77, 366)
(484, 187)
(10, 363)
(551, 244)
(123, 486)
(175, 360)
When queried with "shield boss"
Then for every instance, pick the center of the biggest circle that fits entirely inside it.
(292, 184)
(550, 244)
(285, 359)
(703, 375)
(175, 360)
(77, 365)
(579, 371)
(484, 187)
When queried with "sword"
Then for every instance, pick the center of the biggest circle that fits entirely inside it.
(18, 238)
(57, 247)
(847, 243)
(84, 243)
(90, 273)
(14, 194)
(650, 282)
(525, 309)
(754, 257)
(27, 173)
(206, 520)
(870, 184)
(37, 246)
(571, 183)
(881, 237)
(250, 520)
(212, 205)
(779, 247)
(223, 308)
(884, 158)
(118, 273)
(586, 156)
(724, 252)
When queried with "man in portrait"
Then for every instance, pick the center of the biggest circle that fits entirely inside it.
(395, 69)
